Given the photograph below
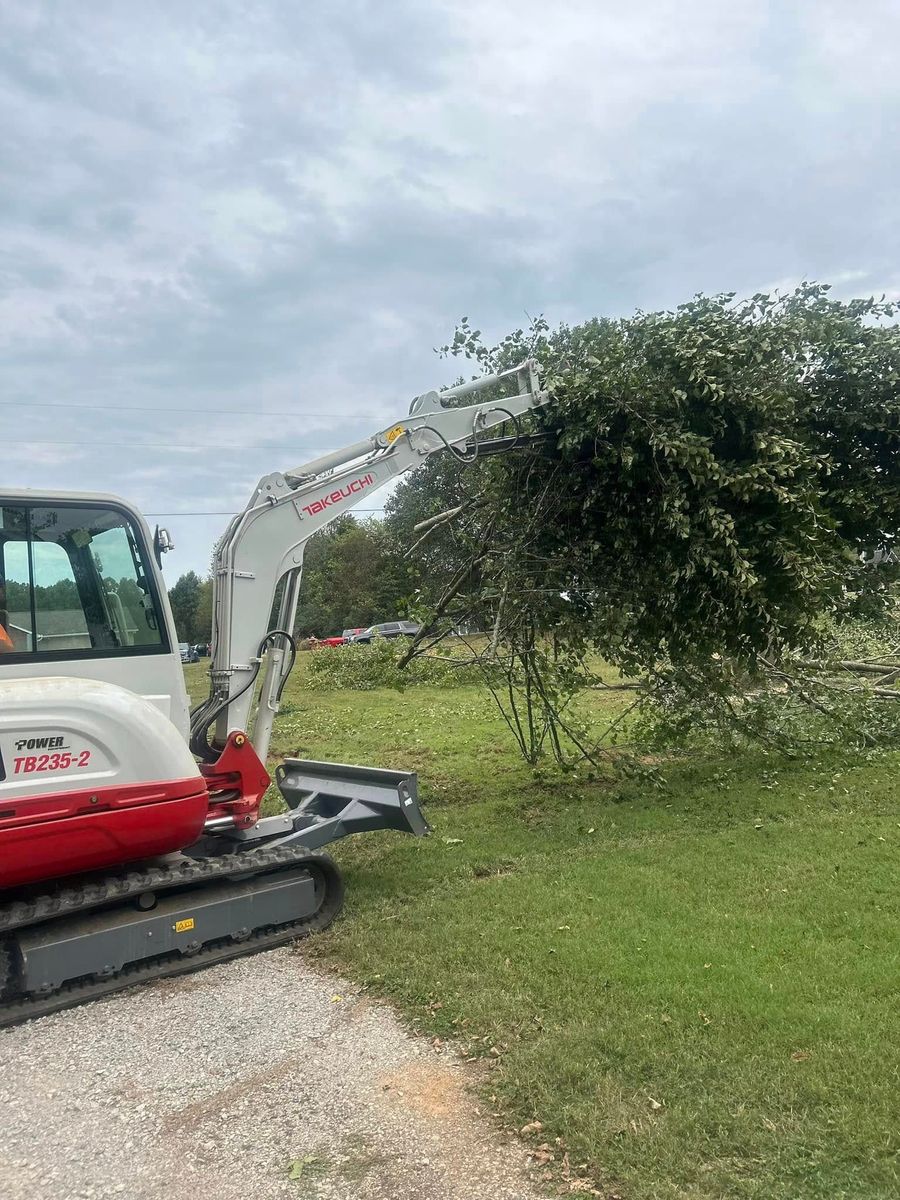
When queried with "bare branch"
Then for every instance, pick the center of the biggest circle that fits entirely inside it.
(447, 515)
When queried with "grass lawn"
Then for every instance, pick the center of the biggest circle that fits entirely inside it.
(697, 989)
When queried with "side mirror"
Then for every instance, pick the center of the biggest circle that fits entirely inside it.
(162, 544)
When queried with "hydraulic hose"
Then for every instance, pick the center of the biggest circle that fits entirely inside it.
(203, 718)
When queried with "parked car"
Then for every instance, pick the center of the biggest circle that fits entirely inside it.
(387, 629)
(350, 634)
(336, 640)
(188, 653)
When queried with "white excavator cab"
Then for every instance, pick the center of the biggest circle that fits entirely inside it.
(94, 763)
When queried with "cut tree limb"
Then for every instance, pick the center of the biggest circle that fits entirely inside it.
(852, 665)
(447, 515)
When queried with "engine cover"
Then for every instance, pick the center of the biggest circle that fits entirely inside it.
(91, 776)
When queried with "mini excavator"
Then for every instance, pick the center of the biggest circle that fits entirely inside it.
(132, 845)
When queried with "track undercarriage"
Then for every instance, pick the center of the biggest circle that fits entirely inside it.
(87, 939)
(227, 896)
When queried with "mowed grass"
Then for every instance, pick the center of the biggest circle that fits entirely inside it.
(697, 989)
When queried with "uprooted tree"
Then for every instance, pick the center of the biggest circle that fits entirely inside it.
(703, 501)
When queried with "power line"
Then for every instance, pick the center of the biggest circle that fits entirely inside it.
(140, 444)
(194, 412)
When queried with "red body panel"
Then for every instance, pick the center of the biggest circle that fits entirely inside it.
(68, 833)
(236, 781)
(72, 832)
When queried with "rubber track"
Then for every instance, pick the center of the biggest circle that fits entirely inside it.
(77, 899)
(187, 872)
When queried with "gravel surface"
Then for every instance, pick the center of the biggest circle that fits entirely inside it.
(255, 1080)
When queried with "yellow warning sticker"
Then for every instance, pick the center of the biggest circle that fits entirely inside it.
(185, 925)
(392, 434)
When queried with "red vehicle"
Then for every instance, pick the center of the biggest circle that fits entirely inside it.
(337, 639)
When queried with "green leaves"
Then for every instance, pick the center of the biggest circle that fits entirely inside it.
(302, 1168)
(710, 466)
(715, 477)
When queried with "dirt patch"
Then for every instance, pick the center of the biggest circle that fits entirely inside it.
(428, 1089)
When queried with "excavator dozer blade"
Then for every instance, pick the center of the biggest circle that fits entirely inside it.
(327, 801)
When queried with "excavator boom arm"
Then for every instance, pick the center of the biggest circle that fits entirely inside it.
(265, 543)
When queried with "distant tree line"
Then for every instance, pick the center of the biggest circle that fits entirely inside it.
(191, 601)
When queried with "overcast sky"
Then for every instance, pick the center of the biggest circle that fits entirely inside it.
(214, 211)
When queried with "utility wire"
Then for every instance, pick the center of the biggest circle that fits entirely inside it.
(139, 444)
(194, 412)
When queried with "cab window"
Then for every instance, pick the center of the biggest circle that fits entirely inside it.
(73, 580)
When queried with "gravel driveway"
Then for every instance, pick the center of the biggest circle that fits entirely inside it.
(260, 1079)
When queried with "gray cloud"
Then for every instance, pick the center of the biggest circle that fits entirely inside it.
(282, 207)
